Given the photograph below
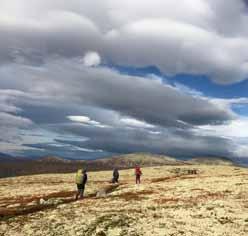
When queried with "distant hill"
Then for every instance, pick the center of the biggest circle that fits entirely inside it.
(4, 156)
(130, 160)
(55, 159)
(53, 164)
(211, 161)
(11, 166)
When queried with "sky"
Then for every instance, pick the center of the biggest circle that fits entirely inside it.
(88, 79)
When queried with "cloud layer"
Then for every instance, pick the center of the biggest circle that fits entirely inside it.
(61, 91)
(112, 112)
(195, 37)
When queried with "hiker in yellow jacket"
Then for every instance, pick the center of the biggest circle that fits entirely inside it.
(81, 180)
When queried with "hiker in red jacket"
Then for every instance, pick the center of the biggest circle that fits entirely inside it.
(138, 173)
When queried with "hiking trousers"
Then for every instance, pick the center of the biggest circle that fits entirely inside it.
(137, 179)
(80, 192)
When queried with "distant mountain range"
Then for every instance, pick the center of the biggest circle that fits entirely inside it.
(14, 166)
(53, 159)
(5, 156)
(211, 161)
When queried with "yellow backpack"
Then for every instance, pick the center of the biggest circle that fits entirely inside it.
(79, 177)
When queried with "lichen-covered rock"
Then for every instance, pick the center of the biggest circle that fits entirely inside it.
(43, 202)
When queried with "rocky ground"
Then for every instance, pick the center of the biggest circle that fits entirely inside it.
(172, 200)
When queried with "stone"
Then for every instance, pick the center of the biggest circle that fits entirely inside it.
(101, 193)
(14, 205)
(42, 201)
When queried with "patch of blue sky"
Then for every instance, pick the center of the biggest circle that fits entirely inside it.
(204, 85)
(200, 83)
(241, 109)
(137, 71)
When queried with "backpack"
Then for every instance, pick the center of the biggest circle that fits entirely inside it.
(138, 171)
(79, 177)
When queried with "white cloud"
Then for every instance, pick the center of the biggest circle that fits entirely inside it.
(196, 36)
(91, 59)
(155, 132)
(236, 131)
(81, 119)
(85, 120)
(233, 129)
(241, 150)
(74, 148)
(131, 122)
(11, 127)
(188, 90)
(9, 120)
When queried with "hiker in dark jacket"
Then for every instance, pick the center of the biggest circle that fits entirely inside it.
(81, 180)
(138, 173)
(115, 176)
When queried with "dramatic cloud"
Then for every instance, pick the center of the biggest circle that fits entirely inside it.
(8, 120)
(103, 87)
(173, 142)
(11, 124)
(85, 120)
(135, 123)
(70, 84)
(114, 112)
(196, 37)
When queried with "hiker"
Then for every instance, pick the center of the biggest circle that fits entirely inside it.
(81, 179)
(115, 176)
(138, 173)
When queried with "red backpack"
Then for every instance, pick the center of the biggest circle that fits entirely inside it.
(138, 171)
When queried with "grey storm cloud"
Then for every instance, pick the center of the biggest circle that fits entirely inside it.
(11, 122)
(66, 150)
(197, 37)
(142, 98)
(124, 140)
(46, 97)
